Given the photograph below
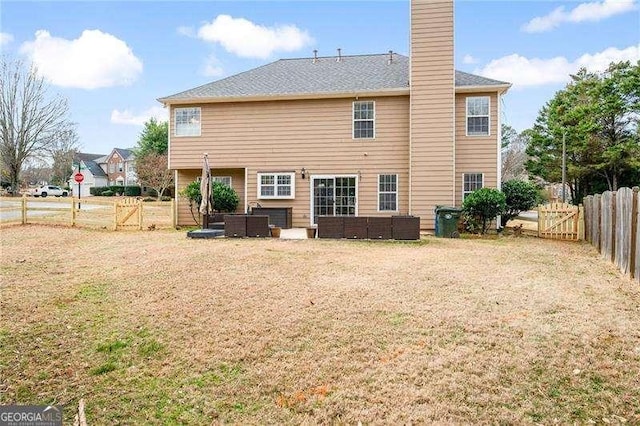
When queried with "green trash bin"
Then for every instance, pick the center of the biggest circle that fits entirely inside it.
(447, 219)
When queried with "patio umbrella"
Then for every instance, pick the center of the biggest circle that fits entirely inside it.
(205, 187)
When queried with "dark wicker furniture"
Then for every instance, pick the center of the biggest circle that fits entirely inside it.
(355, 227)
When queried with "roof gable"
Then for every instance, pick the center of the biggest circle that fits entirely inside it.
(124, 154)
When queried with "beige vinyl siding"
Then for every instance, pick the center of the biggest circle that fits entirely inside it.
(432, 108)
(285, 136)
(185, 177)
(476, 154)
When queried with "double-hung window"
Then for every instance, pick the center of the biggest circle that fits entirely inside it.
(478, 116)
(276, 185)
(471, 182)
(387, 193)
(187, 121)
(364, 117)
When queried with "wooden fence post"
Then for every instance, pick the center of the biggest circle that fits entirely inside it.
(24, 209)
(587, 213)
(173, 213)
(613, 226)
(634, 234)
(540, 221)
(597, 217)
(580, 223)
(73, 211)
(140, 216)
(115, 215)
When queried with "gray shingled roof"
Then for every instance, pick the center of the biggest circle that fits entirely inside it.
(90, 163)
(124, 153)
(326, 75)
(465, 79)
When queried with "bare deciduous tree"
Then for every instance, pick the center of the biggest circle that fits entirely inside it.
(62, 152)
(514, 156)
(30, 120)
(153, 171)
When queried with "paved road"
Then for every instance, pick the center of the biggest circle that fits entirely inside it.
(529, 215)
(7, 215)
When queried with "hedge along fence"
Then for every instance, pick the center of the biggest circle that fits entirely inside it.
(127, 191)
(612, 220)
(112, 214)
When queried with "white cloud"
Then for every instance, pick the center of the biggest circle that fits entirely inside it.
(584, 12)
(5, 38)
(186, 31)
(94, 60)
(212, 68)
(128, 117)
(523, 72)
(246, 39)
(468, 59)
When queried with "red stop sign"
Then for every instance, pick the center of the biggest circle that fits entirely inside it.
(79, 177)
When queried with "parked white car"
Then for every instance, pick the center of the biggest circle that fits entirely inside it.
(46, 190)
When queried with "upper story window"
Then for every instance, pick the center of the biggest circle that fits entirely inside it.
(112, 167)
(471, 182)
(121, 166)
(364, 117)
(276, 185)
(223, 179)
(187, 121)
(387, 193)
(478, 116)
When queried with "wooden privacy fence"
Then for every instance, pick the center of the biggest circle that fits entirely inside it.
(561, 221)
(114, 214)
(612, 221)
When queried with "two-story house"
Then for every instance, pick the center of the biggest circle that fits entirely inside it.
(346, 135)
(120, 167)
(115, 168)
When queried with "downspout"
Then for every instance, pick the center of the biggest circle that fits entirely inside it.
(410, 183)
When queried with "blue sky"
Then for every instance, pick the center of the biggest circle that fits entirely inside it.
(112, 59)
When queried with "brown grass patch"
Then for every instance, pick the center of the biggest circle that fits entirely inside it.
(151, 327)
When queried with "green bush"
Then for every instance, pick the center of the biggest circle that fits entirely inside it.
(483, 205)
(107, 193)
(520, 196)
(225, 198)
(128, 191)
(132, 191)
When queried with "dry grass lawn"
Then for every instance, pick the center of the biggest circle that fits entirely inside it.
(151, 327)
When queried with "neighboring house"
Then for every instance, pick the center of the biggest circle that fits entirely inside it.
(120, 167)
(346, 135)
(94, 175)
(116, 168)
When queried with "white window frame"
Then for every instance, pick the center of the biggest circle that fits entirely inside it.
(354, 119)
(194, 115)
(275, 196)
(388, 192)
(464, 176)
(487, 115)
(222, 179)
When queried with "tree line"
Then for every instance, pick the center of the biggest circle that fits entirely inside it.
(597, 115)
